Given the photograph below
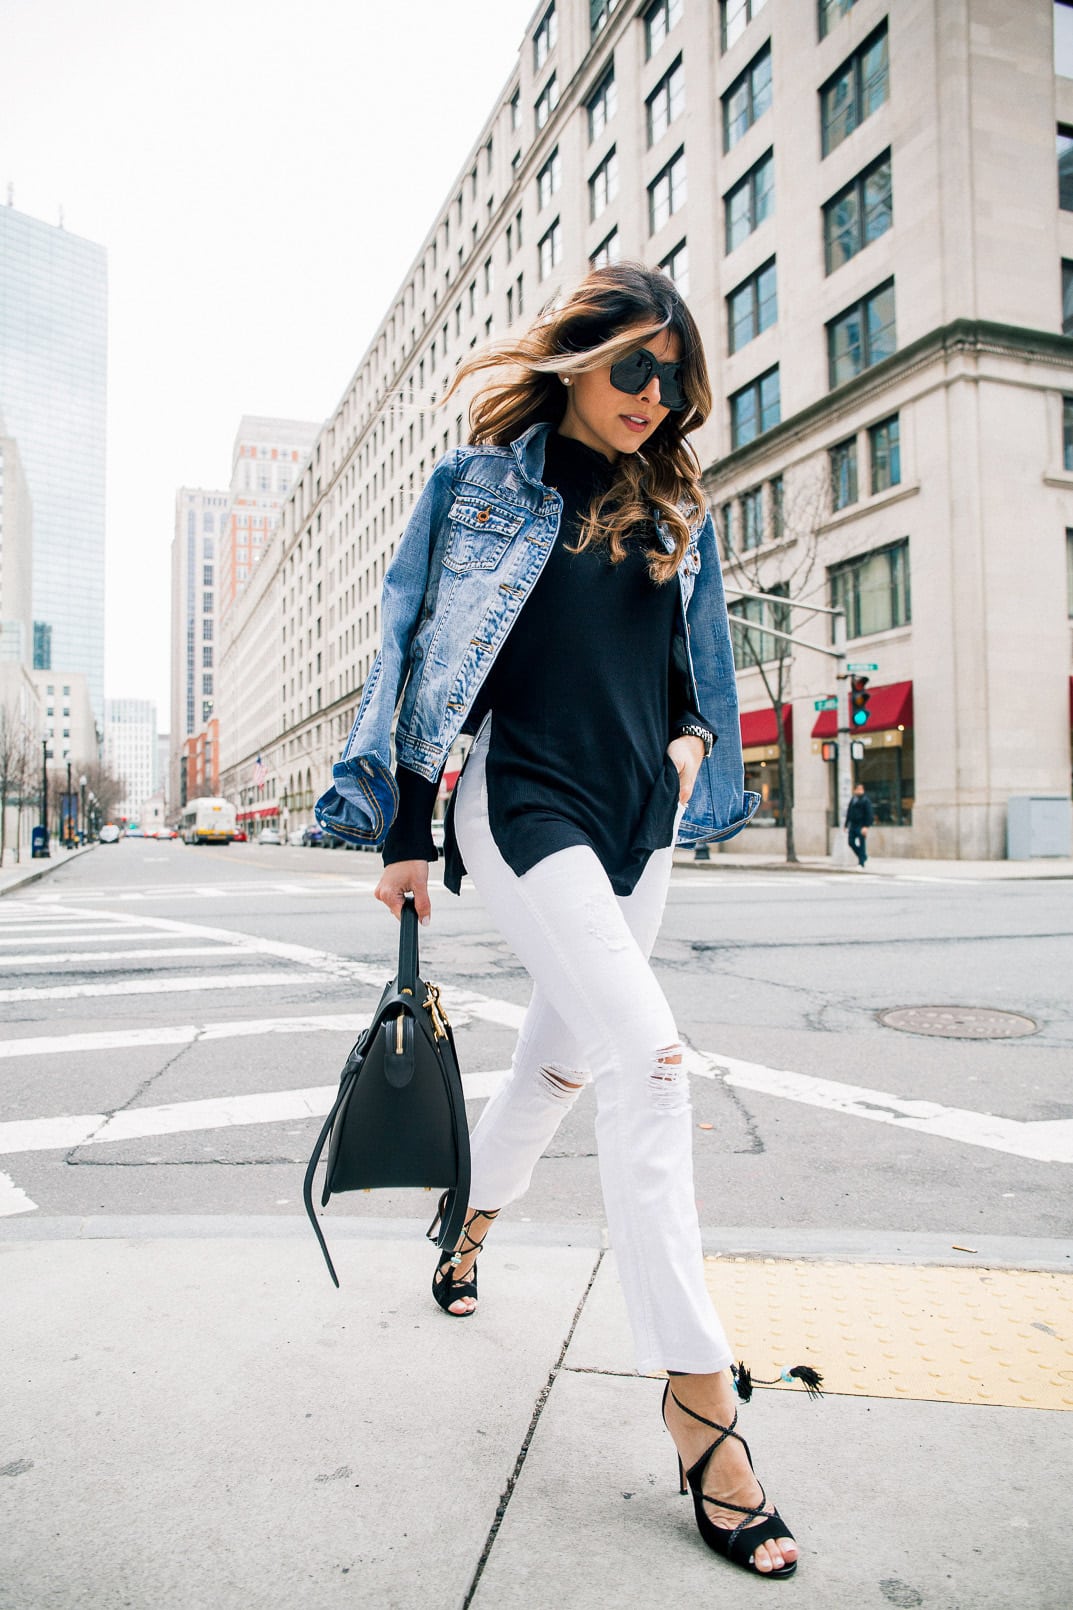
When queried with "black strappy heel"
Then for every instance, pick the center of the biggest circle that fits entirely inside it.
(445, 1288)
(736, 1543)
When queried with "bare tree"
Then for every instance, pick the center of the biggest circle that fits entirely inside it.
(14, 772)
(781, 566)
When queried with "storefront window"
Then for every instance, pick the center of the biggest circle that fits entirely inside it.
(762, 777)
(888, 774)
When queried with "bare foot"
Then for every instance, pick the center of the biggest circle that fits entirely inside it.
(727, 1475)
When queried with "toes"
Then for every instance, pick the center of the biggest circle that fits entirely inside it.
(463, 1305)
(768, 1558)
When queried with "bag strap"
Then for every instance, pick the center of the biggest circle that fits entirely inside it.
(311, 1169)
(408, 961)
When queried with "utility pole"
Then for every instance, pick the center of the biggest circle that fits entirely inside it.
(44, 793)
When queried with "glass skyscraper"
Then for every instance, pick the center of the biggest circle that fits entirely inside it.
(53, 385)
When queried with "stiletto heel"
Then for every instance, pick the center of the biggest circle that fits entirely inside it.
(445, 1288)
(737, 1544)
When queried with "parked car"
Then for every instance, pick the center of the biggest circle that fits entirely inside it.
(296, 835)
(134, 831)
(239, 836)
(109, 834)
(164, 833)
(314, 835)
(268, 835)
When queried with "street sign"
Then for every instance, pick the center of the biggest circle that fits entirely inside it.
(825, 704)
(862, 667)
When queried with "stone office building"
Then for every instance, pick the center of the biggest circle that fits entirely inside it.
(869, 209)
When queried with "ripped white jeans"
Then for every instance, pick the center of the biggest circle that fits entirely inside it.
(587, 951)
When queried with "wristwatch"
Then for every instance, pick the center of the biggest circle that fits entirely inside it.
(691, 729)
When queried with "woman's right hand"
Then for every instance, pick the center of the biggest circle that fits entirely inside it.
(402, 878)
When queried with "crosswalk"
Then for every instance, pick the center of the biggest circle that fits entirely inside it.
(56, 952)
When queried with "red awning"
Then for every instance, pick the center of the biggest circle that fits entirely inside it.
(758, 726)
(250, 816)
(890, 706)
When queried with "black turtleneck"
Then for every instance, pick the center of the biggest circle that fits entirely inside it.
(584, 698)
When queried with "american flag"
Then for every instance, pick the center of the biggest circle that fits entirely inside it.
(259, 773)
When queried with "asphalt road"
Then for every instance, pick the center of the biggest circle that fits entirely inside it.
(146, 978)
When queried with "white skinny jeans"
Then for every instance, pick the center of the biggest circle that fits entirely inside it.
(586, 949)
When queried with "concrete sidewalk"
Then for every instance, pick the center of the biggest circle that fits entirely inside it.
(197, 1418)
(879, 866)
(18, 874)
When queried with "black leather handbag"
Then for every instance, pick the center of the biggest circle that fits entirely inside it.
(400, 1116)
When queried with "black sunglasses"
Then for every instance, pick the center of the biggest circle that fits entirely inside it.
(632, 375)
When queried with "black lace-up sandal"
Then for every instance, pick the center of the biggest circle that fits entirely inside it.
(736, 1543)
(445, 1288)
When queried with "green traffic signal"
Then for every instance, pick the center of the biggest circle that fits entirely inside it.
(858, 700)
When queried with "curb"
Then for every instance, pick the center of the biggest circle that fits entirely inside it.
(54, 864)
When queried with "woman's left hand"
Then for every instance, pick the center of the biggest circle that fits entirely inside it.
(687, 754)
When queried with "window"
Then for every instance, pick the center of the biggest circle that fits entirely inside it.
(776, 506)
(752, 518)
(726, 522)
(544, 38)
(832, 11)
(862, 336)
(755, 408)
(747, 99)
(206, 603)
(601, 104)
(206, 631)
(608, 251)
(676, 267)
(1069, 573)
(753, 647)
(206, 709)
(549, 178)
(515, 113)
(206, 576)
(659, 20)
(666, 102)
(600, 14)
(843, 466)
(1063, 38)
(1065, 167)
(885, 454)
(1067, 297)
(752, 307)
(603, 186)
(750, 202)
(855, 91)
(547, 102)
(206, 658)
(858, 214)
(1067, 432)
(206, 682)
(735, 17)
(550, 250)
(873, 590)
(667, 192)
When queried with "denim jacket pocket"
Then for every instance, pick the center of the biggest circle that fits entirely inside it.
(480, 532)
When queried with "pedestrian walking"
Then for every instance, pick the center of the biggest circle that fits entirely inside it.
(538, 601)
(859, 818)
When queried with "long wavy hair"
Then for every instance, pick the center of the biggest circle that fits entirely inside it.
(611, 313)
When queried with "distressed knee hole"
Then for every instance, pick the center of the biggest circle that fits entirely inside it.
(559, 1084)
(668, 1082)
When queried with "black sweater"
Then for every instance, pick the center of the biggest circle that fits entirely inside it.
(584, 696)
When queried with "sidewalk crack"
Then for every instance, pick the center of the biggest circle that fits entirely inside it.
(538, 1409)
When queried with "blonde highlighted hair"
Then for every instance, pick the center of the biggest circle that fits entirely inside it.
(612, 312)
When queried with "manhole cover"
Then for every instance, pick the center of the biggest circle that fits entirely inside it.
(959, 1022)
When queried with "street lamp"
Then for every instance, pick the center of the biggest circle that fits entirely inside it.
(66, 814)
(82, 833)
(42, 848)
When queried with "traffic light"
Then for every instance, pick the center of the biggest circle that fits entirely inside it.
(858, 700)
(829, 751)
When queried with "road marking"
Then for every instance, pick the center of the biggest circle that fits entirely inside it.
(125, 955)
(47, 1045)
(1043, 1140)
(13, 1199)
(164, 986)
(84, 937)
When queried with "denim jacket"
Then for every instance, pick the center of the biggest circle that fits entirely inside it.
(472, 550)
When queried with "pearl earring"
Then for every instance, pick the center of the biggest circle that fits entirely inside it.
(565, 380)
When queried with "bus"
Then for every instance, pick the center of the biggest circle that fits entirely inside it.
(207, 821)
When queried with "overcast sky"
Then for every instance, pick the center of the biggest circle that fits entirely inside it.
(261, 173)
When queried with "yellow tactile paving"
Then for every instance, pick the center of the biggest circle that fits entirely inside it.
(1001, 1336)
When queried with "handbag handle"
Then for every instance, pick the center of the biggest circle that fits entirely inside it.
(408, 961)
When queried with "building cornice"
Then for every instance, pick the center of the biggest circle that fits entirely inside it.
(971, 337)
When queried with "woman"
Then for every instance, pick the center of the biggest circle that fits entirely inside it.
(537, 600)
